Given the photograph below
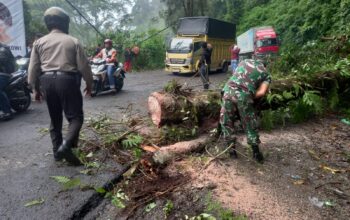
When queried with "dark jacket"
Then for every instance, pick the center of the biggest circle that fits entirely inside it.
(128, 55)
(7, 60)
(206, 56)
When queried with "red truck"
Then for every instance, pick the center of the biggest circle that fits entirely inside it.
(259, 41)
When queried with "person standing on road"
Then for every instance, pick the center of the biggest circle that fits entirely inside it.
(234, 56)
(61, 62)
(204, 63)
(249, 82)
(128, 55)
(7, 66)
(109, 54)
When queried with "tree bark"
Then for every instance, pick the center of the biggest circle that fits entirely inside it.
(166, 153)
(165, 108)
(196, 107)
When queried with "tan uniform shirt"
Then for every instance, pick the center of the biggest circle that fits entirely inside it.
(58, 51)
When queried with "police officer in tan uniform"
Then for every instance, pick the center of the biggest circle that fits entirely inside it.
(60, 61)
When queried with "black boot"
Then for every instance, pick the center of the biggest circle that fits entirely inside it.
(231, 151)
(65, 152)
(257, 155)
(55, 155)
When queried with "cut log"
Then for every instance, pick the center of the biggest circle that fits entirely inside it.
(166, 153)
(165, 108)
(196, 107)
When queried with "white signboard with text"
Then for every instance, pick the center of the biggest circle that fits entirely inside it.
(12, 31)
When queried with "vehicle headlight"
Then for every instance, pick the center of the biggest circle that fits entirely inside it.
(167, 61)
(189, 61)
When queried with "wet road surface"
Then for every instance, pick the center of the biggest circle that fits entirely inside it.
(26, 160)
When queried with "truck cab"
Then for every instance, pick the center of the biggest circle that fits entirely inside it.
(266, 42)
(183, 55)
(184, 51)
(259, 41)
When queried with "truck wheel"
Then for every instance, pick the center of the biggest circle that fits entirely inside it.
(224, 67)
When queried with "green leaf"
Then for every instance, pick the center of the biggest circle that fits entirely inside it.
(137, 153)
(344, 67)
(329, 203)
(287, 95)
(118, 203)
(169, 206)
(66, 182)
(118, 199)
(274, 97)
(43, 130)
(132, 141)
(206, 216)
(312, 99)
(100, 190)
(91, 154)
(60, 179)
(34, 202)
(150, 206)
(297, 88)
(86, 172)
(72, 183)
(93, 165)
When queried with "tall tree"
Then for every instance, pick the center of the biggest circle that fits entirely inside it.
(103, 14)
(145, 15)
(183, 8)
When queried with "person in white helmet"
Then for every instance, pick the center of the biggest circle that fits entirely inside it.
(109, 54)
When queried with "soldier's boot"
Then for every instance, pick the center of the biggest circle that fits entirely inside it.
(232, 151)
(65, 152)
(257, 155)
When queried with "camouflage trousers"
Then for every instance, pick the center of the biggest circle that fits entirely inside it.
(239, 104)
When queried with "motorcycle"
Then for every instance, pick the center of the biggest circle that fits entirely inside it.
(17, 90)
(101, 82)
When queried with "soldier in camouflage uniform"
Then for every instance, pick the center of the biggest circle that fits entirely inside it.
(250, 81)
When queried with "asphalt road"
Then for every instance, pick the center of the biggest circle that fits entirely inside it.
(26, 161)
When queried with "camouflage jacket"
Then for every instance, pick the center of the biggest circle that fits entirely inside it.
(248, 76)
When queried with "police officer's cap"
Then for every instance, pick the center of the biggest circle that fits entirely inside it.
(56, 17)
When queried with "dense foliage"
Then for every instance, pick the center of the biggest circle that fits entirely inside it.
(297, 21)
(152, 50)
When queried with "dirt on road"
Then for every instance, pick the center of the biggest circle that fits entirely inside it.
(305, 176)
(26, 160)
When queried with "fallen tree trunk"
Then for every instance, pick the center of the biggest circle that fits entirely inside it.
(168, 108)
(166, 153)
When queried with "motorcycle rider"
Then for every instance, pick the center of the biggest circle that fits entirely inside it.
(109, 54)
(61, 61)
(7, 66)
